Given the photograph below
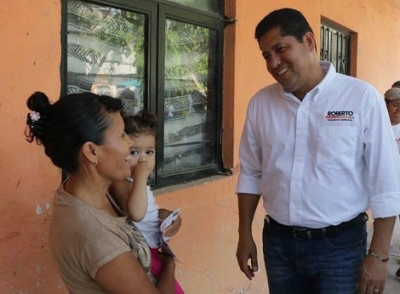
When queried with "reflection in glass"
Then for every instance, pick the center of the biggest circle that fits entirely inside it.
(206, 5)
(105, 52)
(189, 95)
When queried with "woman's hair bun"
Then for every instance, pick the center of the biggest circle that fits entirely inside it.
(40, 105)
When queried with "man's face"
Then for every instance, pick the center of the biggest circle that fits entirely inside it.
(289, 62)
(393, 108)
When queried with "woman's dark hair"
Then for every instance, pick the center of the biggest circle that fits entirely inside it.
(143, 122)
(290, 21)
(64, 126)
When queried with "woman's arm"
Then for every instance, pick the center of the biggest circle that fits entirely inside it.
(124, 275)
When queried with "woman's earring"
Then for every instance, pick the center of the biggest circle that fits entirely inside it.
(95, 163)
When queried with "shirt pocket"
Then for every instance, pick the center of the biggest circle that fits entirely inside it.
(336, 147)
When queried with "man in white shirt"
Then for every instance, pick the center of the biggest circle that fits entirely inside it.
(392, 99)
(318, 147)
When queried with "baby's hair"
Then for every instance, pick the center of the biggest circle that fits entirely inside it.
(143, 122)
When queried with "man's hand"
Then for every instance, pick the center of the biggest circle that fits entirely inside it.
(372, 277)
(246, 250)
(373, 272)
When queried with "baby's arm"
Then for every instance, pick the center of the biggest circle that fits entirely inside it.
(132, 197)
(137, 200)
(174, 227)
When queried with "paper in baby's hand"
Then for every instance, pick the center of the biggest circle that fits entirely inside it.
(166, 249)
(165, 224)
(168, 221)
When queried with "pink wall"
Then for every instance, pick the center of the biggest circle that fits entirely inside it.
(206, 244)
(30, 60)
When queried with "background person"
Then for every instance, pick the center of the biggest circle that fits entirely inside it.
(392, 99)
(94, 247)
(323, 156)
(396, 84)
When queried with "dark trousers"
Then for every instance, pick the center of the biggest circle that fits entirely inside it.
(327, 265)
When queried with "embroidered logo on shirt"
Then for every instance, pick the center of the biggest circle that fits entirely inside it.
(339, 115)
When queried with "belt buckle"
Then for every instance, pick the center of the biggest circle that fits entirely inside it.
(301, 230)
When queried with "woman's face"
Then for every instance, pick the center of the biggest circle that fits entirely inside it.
(114, 153)
(393, 108)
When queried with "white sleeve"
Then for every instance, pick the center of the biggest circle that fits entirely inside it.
(250, 156)
(381, 159)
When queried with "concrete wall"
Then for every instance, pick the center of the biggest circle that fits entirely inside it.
(30, 60)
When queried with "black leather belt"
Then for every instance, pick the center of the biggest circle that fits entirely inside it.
(304, 233)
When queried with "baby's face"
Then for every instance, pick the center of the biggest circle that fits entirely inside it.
(143, 150)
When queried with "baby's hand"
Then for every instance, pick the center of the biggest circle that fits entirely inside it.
(141, 169)
(174, 227)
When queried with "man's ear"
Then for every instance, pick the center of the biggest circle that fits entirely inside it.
(89, 152)
(309, 39)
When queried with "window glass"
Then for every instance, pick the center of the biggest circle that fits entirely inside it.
(105, 52)
(189, 105)
(152, 55)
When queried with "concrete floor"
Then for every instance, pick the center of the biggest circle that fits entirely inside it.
(392, 284)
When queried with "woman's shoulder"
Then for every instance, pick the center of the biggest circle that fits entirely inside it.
(73, 216)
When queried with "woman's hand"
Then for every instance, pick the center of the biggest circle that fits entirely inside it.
(167, 261)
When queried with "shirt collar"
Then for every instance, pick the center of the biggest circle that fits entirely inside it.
(330, 75)
(330, 71)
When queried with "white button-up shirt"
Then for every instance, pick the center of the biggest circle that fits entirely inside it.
(396, 131)
(323, 160)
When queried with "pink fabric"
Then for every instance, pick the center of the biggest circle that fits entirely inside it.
(156, 267)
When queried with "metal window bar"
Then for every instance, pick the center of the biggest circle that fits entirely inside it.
(335, 47)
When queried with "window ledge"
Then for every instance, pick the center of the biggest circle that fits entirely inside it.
(174, 188)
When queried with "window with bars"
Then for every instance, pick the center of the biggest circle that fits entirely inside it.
(164, 56)
(335, 47)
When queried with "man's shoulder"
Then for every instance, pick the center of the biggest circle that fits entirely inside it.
(352, 82)
(337, 80)
(273, 90)
(270, 89)
(348, 87)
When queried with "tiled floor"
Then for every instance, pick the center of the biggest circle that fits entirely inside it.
(393, 285)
